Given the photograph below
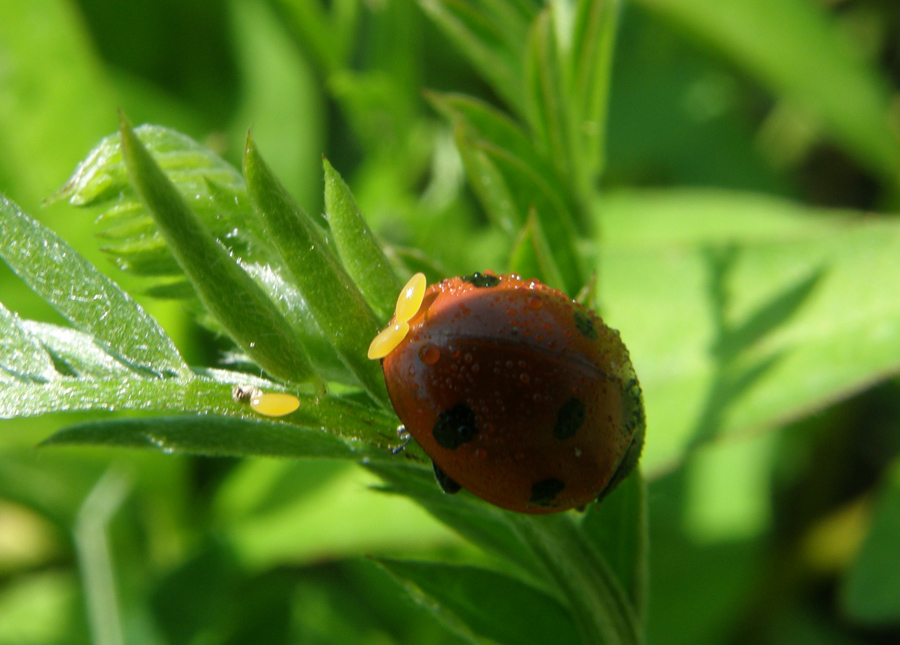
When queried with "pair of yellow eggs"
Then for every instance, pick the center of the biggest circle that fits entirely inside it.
(279, 404)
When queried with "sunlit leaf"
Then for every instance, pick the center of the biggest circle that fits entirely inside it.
(748, 328)
(76, 351)
(333, 299)
(256, 325)
(21, 355)
(91, 301)
(360, 252)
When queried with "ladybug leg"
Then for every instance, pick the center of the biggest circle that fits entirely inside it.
(447, 485)
(404, 436)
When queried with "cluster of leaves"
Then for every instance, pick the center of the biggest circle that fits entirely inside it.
(742, 311)
(121, 359)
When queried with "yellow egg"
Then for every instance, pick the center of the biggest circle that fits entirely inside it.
(410, 298)
(386, 341)
(274, 404)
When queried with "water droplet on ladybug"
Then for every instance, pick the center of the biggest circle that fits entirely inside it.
(429, 354)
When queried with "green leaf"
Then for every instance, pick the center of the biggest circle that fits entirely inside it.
(291, 304)
(218, 196)
(278, 93)
(489, 185)
(484, 124)
(509, 186)
(532, 257)
(480, 523)
(336, 304)
(550, 548)
(214, 189)
(600, 607)
(804, 57)
(111, 392)
(47, 124)
(590, 72)
(91, 301)
(366, 431)
(869, 593)
(329, 39)
(21, 355)
(546, 97)
(256, 325)
(748, 329)
(360, 252)
(103, 176)
(145, 256)
(618, 530)
(490, 604)
(491, 33)
(215, 437)
(532, 192)
(75, 351)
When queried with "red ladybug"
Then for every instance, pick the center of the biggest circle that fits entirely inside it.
(518, 393)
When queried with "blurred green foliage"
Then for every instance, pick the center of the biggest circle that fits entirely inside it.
(727, 169)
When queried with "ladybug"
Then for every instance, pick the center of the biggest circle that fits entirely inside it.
(518, 393)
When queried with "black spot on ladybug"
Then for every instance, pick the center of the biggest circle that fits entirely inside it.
(447, 484)
(455, 427)
(585, 324)
(481, 280)
(569, 419)
(545, 491)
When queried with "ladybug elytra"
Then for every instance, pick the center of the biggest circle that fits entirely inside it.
(518, 393)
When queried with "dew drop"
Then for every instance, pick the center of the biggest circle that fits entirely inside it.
(429, 354)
